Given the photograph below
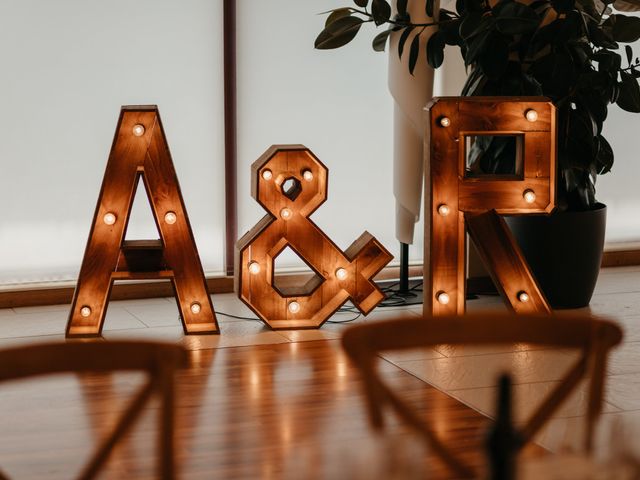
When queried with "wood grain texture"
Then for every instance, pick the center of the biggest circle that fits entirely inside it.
(288, 411)
(158, 361)
(319, 299)
(446, 183)
(109, 257)
(593, 338)
(505, 262)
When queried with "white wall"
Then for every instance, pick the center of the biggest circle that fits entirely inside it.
(67, 67)
(619, 188)
(335, 102)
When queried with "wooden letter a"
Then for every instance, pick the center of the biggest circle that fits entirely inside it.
(140, 149)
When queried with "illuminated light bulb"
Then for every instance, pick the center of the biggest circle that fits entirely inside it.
(170, 218)
(294, 307)
(286, 213)
(267, 174)
(341, 274)
(531, 115)
(529, 196)
(109, 218)
(307, 175)
(85, 311)
(195, 308)
(138, 130)
(523, 297)
(444, 210)
(254, 268)
(443, 298)
(445, 122)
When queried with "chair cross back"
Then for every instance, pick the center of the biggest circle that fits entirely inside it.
(594, 337)
(158, 360)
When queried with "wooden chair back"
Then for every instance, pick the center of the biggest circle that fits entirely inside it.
(158, 360)
(593, 337)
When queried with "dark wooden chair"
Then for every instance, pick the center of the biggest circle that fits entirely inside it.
(593, 337)
(158, 360)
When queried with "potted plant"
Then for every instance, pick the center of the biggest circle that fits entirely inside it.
(567, 50)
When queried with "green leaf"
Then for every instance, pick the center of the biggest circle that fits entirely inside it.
(403, 39)
(623, 28)
(338, 33)
(474, 24)
(429, 8)
(515, 18)
(413, 53)
(380, 40)
(604, 160)
(381, 11)
(435, 50)
(402, 7)
(361, 3)
(629, 98)
(495, 56)
(476, 47)
(336, 14)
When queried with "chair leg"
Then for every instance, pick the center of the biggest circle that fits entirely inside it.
(166, 430)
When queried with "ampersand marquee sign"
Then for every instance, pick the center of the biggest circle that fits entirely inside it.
(291, 183)
(458, 200)
(140, 149)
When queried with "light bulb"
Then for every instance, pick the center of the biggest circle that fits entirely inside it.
(341, 274)
(138, 130)
(195, 308)
(445, 122)
(294, 307)
(444, 209)
(531, 115)
(267, 174)
(307, 175)
(254, 268)
(443, 298)
(109, 218)
(523, 297)
(529, 196)
(286, 213)
(170, 218)
(85, 311)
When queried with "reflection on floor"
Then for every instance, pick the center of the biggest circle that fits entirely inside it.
(264, 404)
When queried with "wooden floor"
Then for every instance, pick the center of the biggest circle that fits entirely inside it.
(283, 411)
(262, 404)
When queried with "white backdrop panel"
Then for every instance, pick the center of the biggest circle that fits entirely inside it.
(335, 102)
(68, 66)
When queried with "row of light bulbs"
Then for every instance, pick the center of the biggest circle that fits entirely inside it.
(530, 114)
(195, 308)
(254, 268)
(528, 195)
(443, 297)
(110, 218)
(306, 174)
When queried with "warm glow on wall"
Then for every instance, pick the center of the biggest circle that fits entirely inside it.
(294, 188)
(140, 149)
(461, 201)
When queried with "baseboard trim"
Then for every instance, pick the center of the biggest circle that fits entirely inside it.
(30, 297)
(621, 258)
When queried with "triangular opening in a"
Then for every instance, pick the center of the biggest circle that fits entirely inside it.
(141, 225)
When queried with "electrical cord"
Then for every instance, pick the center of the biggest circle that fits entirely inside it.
(392, 300)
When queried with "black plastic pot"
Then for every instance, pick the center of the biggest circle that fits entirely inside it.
(564, 251)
